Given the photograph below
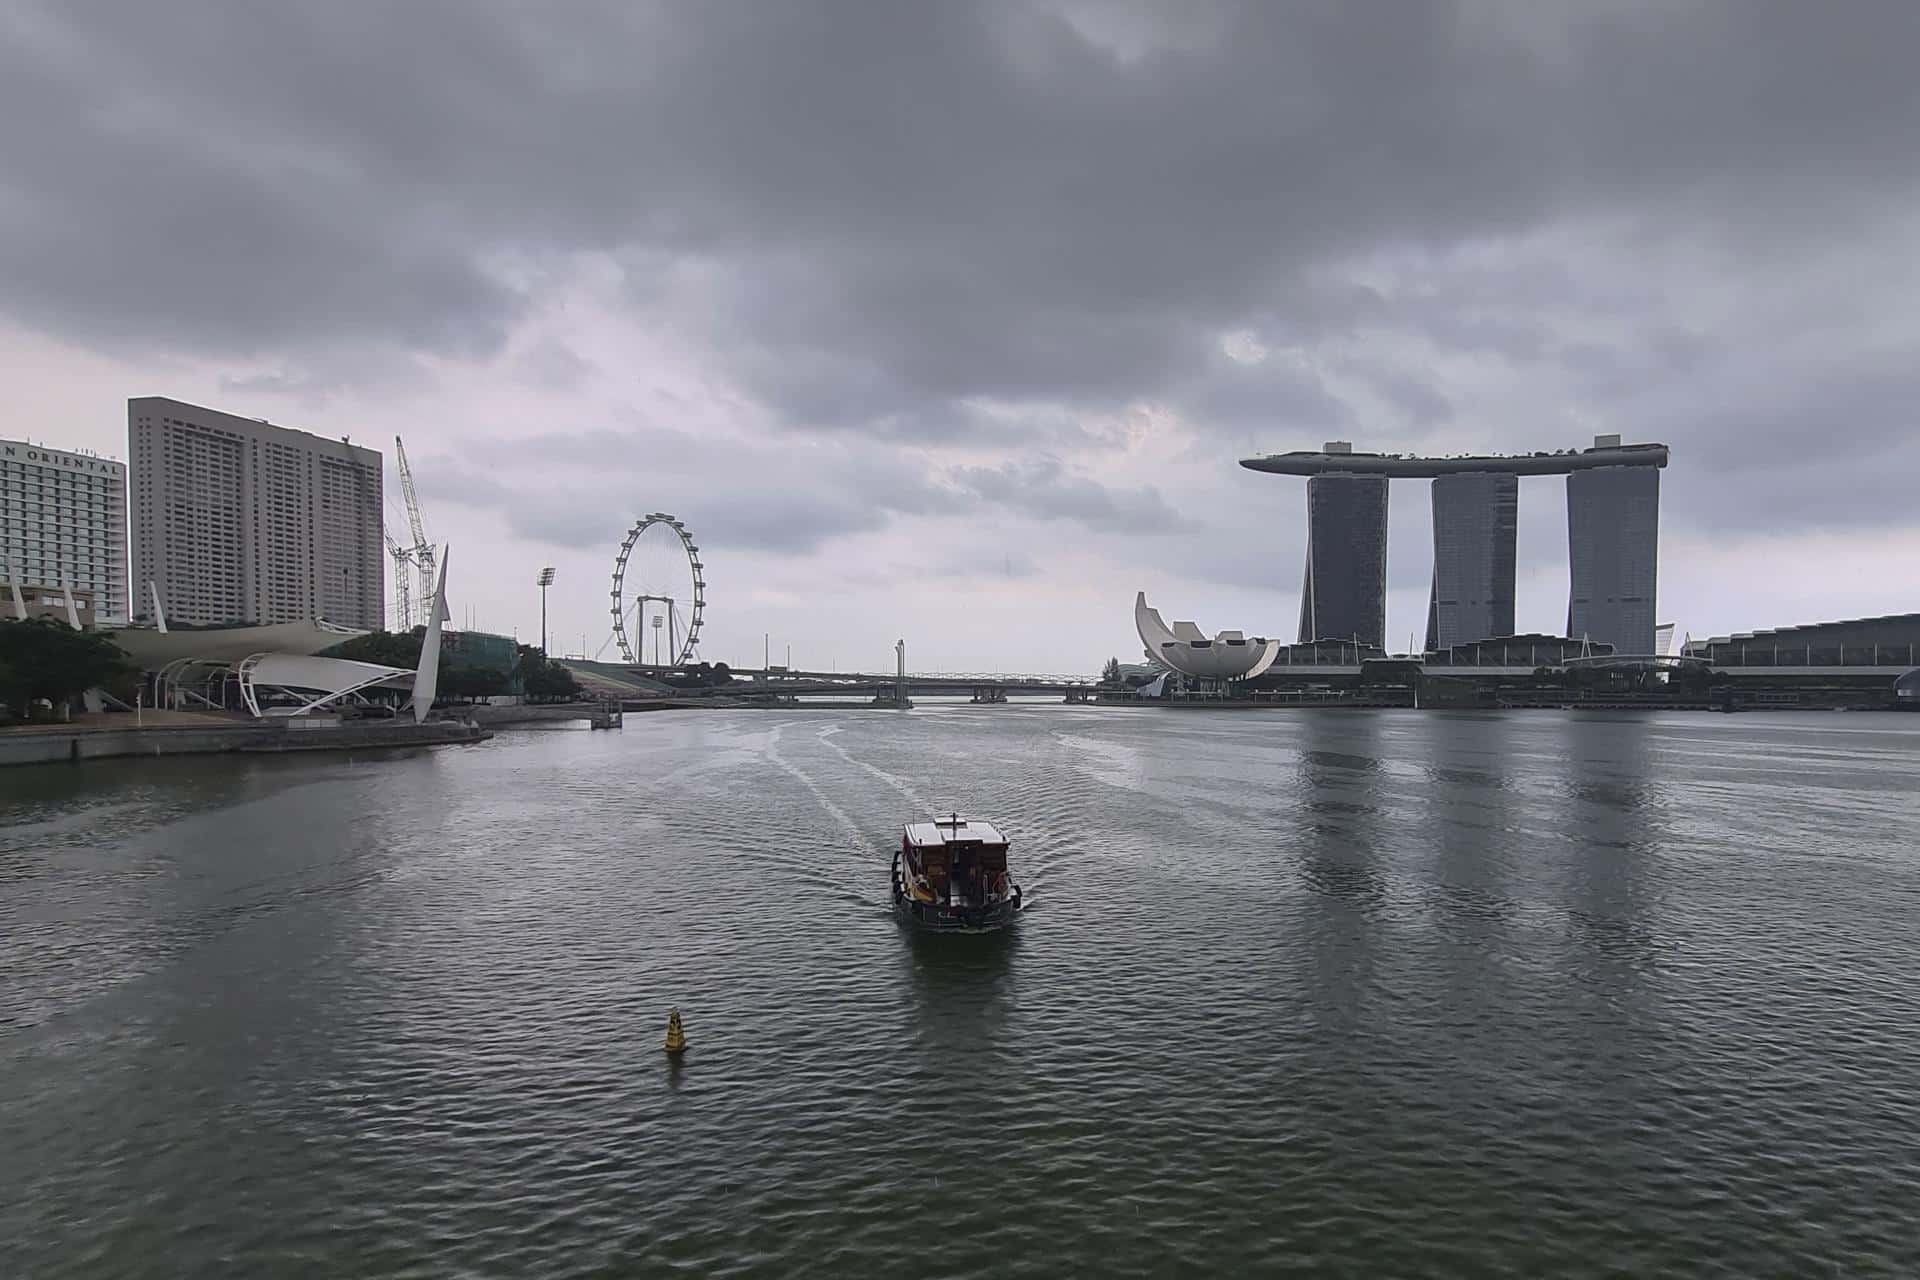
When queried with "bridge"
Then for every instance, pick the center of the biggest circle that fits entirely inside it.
(643, 684)
(641, 681)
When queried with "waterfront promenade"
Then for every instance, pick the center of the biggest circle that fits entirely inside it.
(172, 733)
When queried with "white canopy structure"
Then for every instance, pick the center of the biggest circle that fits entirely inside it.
(1228, 656)
(276, 668)
(153, 648)
(313, 682)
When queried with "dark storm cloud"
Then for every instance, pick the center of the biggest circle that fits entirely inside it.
(141, 205)
(1848, 407)
(1415, 399)
(1042, 489)
(1828, 441)
(580, 489)
(889, 218)
(1277, 394)
(584, 490)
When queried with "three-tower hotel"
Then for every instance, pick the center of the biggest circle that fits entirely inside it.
(1613, 537)
(238, 520)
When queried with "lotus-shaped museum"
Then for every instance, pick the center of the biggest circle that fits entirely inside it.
(1228, 656)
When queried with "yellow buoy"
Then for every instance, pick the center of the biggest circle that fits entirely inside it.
(676, 1038)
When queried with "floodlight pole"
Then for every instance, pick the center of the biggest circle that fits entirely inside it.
(545, 580)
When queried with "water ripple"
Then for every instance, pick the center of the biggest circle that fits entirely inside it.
(1392, 993)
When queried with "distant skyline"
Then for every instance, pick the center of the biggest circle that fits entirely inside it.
(952, 322)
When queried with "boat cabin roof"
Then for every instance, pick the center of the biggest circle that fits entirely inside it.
(946, 831)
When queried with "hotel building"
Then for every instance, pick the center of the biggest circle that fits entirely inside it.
(63, 523)
(238, 520)
(1613, 540)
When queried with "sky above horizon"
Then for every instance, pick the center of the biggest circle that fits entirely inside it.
(951, 322)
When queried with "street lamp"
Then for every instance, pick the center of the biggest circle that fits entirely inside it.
(545, 580)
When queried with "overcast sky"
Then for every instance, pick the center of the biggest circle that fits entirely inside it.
(951, 321)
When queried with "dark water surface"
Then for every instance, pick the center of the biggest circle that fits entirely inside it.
(1351, 993)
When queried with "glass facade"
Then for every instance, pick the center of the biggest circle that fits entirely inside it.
(1517, 651)
(1893, 640)
(1613, 552)
(484, 649)
(1344, 596)
(1475, 531)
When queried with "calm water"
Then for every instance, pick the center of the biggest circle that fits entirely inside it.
(1355, 993)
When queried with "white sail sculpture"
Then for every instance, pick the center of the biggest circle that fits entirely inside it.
(426, 680)
(1227, 656)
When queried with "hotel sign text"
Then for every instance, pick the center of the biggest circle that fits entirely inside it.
(48, 457)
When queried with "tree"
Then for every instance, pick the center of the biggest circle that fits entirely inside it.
(541, 677)
(553, 682)
(46, 658)
(468, 683)
(1110, 674)
(387, 648)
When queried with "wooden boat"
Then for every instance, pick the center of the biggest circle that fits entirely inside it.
(951, 875)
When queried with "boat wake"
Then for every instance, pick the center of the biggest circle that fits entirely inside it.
(858, 841)
(826, 736)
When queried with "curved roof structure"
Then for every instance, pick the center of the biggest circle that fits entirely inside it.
(325, 679)
(280, 660)
(1406, 466)
(153, 648)
(1227, 656)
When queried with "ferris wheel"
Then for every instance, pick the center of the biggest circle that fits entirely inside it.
(658, 570)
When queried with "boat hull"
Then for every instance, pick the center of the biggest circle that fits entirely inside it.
(935, 917)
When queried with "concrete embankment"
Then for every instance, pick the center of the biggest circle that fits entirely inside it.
(48, 744)
(493, 716)
(498, 716)
(604, 714)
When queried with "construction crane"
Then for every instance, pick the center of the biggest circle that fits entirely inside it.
(402, 588)
(423, 556)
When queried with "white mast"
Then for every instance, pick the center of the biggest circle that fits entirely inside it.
(426, 679)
